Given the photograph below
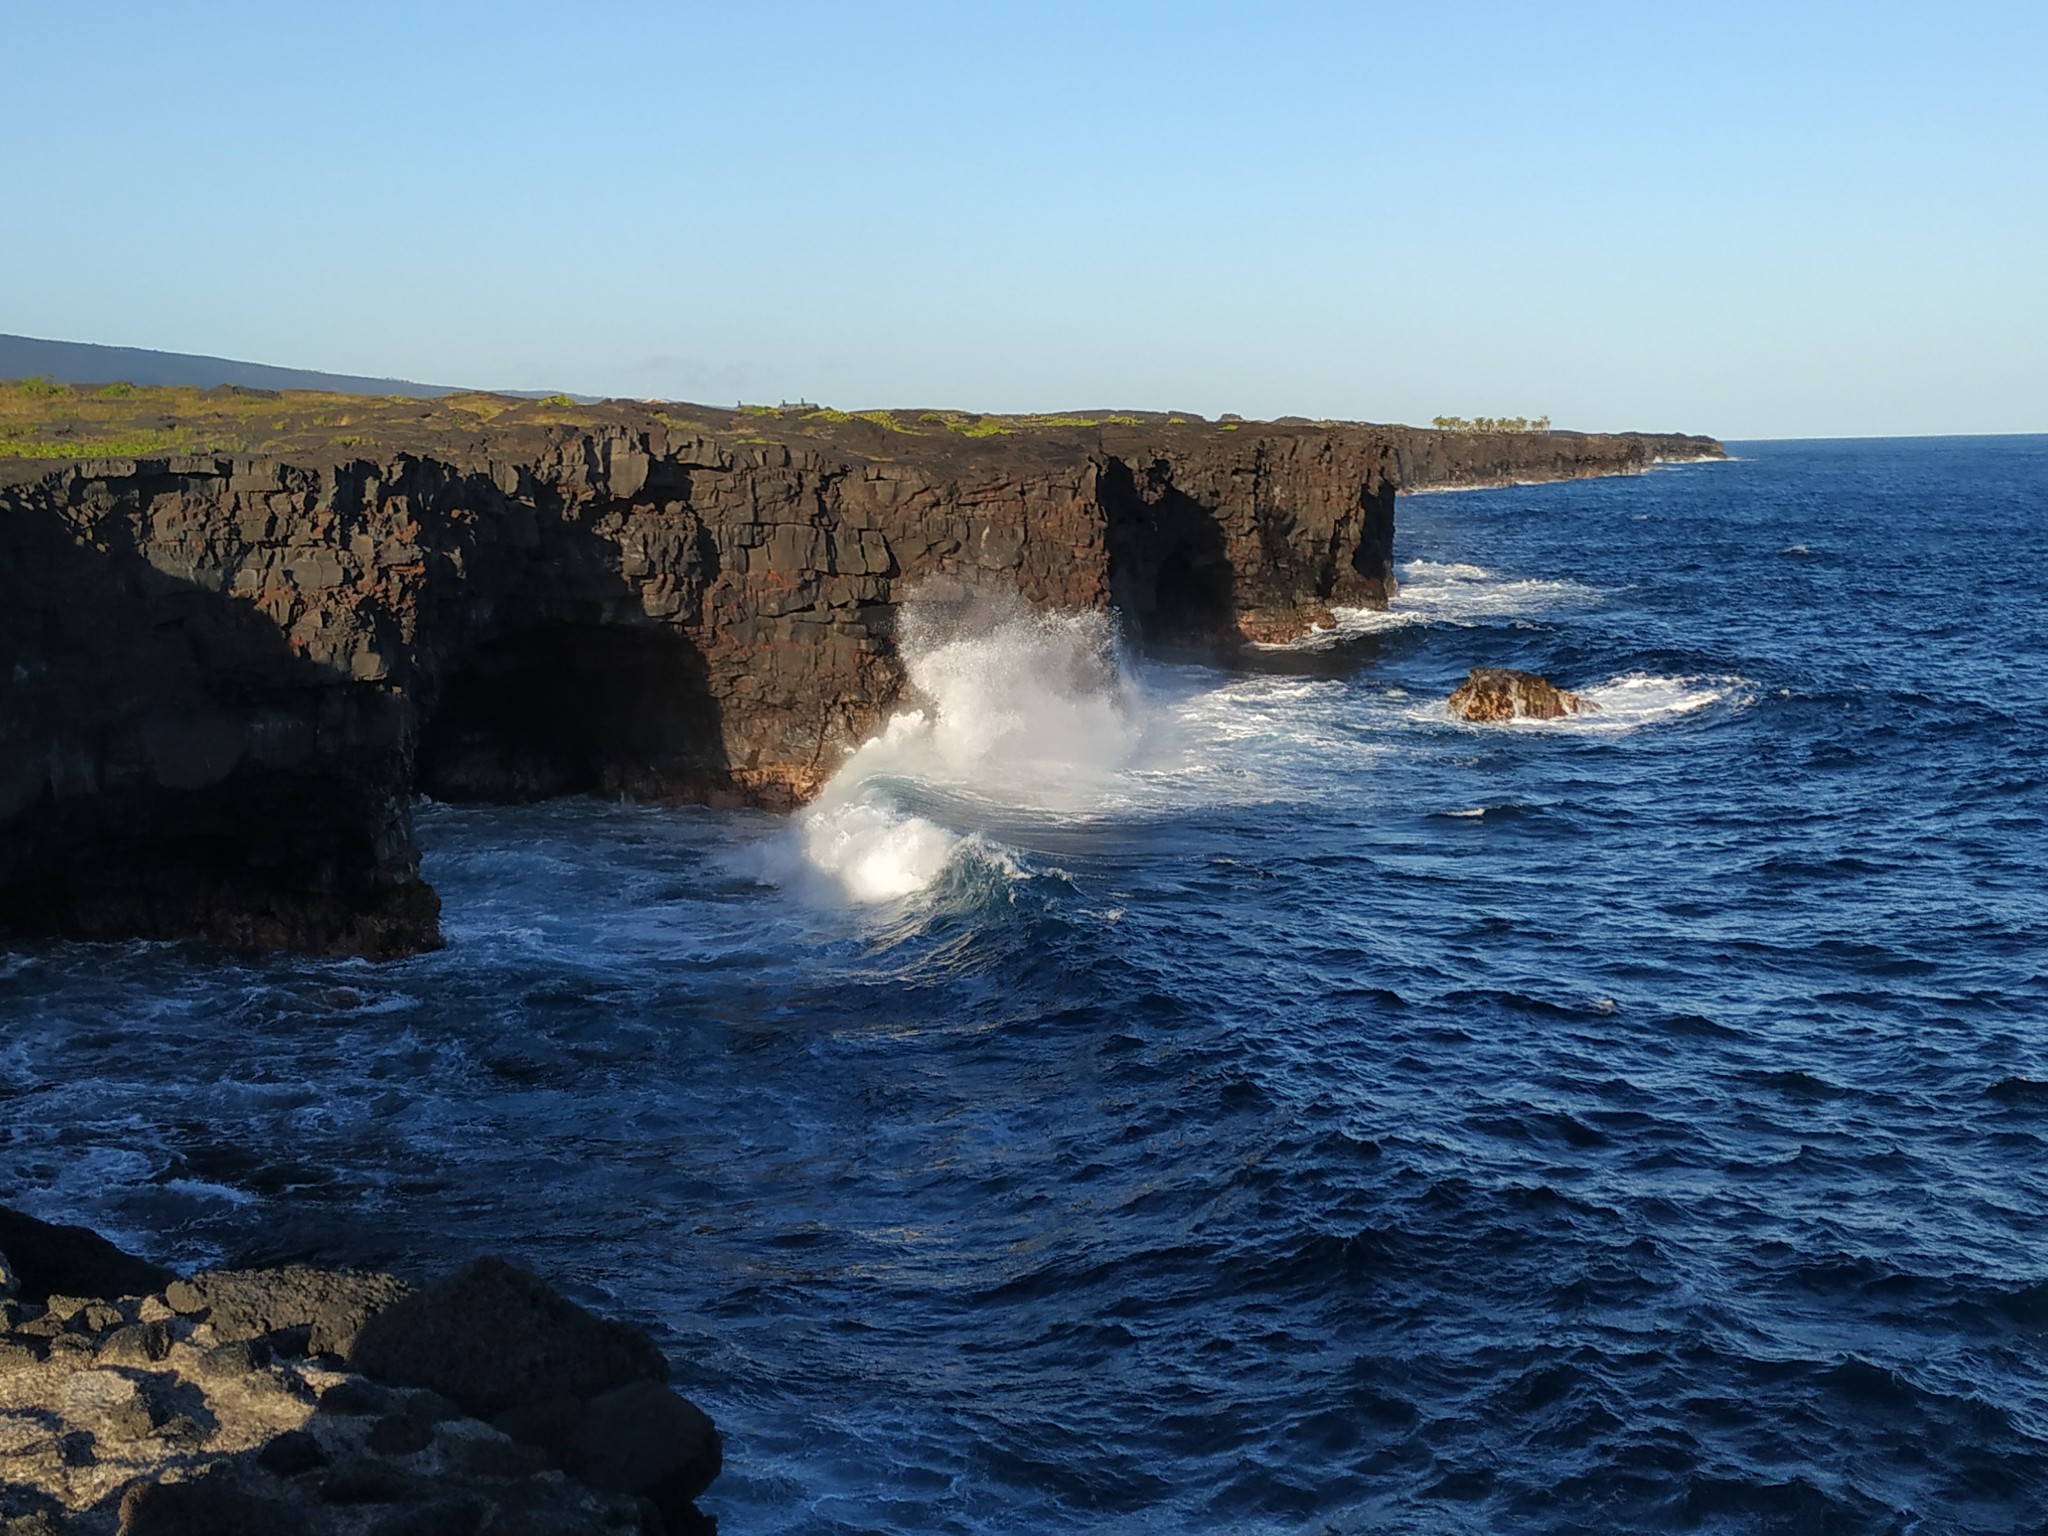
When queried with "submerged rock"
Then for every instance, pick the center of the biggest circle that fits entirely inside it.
(1493, 694)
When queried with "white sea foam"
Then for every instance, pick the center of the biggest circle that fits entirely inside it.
(1641, 698)
(1448, 593)
(1023, 712)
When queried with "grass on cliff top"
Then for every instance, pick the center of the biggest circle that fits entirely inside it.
(42, 419)
(969, 424)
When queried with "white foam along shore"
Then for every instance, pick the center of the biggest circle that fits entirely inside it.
(1445, 592)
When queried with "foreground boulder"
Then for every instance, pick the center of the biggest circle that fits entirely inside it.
(1490, 695)
(504, 1345)
(492, 1338)
(43, 1259)
(332, 1403)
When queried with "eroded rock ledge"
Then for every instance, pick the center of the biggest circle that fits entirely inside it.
(311, 1402)
(223, 677)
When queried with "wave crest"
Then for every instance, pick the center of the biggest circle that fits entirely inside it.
(1017, 710)
(1447, 592)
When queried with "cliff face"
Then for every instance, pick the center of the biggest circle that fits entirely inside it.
(223, 678)
(1453, 460)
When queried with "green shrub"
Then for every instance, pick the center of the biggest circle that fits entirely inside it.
(1491, 424)
(142, 445)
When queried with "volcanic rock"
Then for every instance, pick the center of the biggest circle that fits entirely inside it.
(643, 1438)
(492, 1337)
(291, 1453)
(255, 1304)
(46, 1259)
(204, 1507)
(171, 1431)
(1493, 694)
(136, 1344)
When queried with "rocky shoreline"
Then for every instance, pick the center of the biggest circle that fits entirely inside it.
(225, 676)
(310, 1402)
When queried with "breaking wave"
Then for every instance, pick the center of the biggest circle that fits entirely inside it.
(1018, 713)
(1641, 698)
(1454, 593)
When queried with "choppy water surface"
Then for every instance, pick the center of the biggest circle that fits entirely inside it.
(1158, 1100)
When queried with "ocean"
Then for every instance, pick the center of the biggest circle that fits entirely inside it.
(1144, 1096)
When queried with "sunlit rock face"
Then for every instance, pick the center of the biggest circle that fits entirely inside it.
(1491, 695)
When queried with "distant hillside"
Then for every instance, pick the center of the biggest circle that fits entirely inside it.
(80, 362)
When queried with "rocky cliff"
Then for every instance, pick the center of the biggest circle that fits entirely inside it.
(1444, 461)
(225, 673)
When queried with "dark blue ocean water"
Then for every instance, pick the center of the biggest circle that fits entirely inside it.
(1263, 1105)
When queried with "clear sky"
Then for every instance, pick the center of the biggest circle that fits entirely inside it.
(1754, 220)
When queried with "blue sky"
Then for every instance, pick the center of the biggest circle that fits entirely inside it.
(1750, 220)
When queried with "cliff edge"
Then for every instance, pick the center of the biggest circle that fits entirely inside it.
(239, 631)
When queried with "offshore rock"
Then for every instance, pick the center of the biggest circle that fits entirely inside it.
(1494, 694)
(225, 676)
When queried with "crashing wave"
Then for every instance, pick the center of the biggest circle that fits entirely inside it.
(1019, 712)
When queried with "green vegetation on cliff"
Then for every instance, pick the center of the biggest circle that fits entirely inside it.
(40, 419)
(45, 421)
(1491, 424)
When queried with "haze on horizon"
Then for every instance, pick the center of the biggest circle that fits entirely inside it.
(1749, 220)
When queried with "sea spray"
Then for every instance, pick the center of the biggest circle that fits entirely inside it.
(1015, 711)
